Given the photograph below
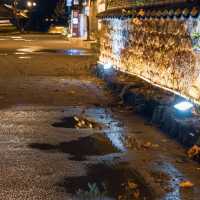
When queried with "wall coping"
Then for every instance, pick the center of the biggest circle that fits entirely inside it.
(178, 9)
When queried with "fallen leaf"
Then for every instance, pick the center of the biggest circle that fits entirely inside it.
(186, 184)
(72, 92)
(147, 145)
(120, 197)
(195, 150)
(76, 118)
(132, 185)
(136, 195)
(155, 145)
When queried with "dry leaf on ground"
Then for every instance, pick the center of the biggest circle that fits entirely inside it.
(186, 184)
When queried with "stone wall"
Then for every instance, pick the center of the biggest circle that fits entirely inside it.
(164, 51)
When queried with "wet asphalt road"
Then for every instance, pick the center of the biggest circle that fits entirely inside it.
(42, 84)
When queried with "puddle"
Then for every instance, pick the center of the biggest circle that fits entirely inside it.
(171, 183)
(76, 122)
(77, 52)
(104, 181)
(68, 52)
(79, 149)
(48, 51)
(39, 50)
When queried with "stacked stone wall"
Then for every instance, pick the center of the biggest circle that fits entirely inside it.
(164, 51)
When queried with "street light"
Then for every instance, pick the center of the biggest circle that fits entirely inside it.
(183, 109)
(29, 4)
(184, 106)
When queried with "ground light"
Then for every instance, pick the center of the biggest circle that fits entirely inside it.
(184, 106)
(107, 66)
(183, 109)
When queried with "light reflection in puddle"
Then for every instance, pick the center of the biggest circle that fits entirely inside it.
(68, 52)
(113, 131)
(28, 40)
(30, 49)
(20, 39)
(175, 178)
(77, 52)
(16, 37)
(20, 53)
(24, 57)
(3, 54)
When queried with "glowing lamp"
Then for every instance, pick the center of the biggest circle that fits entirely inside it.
(184, 106)
(183, 109)
(107, 66)
(29, 3)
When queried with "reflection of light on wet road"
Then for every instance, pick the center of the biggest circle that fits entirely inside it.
(175, 178)
(3, 54)
(76, 52)
(25, 40)
(112, 131)
(24, 57)
(16, 37)
(30, 49)
(20, 39)
(20, 53)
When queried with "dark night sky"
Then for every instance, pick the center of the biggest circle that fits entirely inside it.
(47, 6)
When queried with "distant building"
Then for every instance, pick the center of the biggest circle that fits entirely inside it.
(77, 16)
(82, 16)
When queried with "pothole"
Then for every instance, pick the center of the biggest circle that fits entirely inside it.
(107, 182)
(76, 122)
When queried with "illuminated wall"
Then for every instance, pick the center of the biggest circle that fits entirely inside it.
(164, 51)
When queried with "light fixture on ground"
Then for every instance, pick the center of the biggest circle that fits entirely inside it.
(184, 106)
(183, 109)
(107, 66)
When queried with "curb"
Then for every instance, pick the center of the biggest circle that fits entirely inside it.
(153, 103)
